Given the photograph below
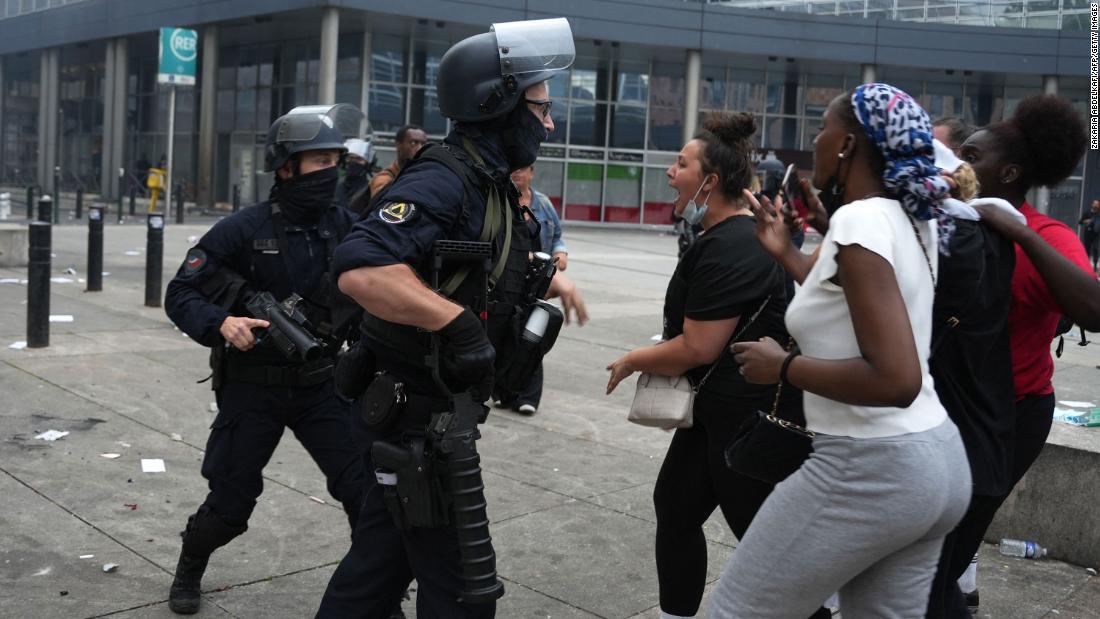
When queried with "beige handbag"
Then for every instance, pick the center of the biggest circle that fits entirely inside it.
(667, 401)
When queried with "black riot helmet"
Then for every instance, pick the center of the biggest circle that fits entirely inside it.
(483, 77)
(310, 127)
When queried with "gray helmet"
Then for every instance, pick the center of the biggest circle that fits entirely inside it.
(484, 76)
(310, 127)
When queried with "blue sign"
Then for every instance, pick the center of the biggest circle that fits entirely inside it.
(179, 53)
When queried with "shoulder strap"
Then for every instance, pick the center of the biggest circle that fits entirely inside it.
(732, 339)
(495, 215)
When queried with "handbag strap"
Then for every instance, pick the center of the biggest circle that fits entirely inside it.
(774, 415)
(733, 339)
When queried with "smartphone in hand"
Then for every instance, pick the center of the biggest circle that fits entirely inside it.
(792, 193)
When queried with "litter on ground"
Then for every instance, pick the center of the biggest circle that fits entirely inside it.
(51, 435)
(152, 465)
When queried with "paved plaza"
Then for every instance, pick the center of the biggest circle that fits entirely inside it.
(569, 489)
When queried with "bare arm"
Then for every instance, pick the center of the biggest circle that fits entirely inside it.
(887, 372)
(701, 344)
(1075, 291)
(395, 293)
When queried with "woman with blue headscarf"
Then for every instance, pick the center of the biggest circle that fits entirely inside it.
(888, 479)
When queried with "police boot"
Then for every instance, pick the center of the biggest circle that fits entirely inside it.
(205, 533)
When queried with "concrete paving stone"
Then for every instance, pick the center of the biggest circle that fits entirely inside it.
(522, 602)
(86, 316)
(289, 596)
(508, 498)
(160, 610)
(1084, 603)
(287, 532)
(549, 460)
(40, 549)
(582, 553)
(157, 395)
(139, 341)
(638, 502)
(1013, 588)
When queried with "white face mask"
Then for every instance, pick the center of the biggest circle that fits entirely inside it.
(692, 213)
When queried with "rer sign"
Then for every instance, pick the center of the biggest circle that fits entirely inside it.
(179, 51)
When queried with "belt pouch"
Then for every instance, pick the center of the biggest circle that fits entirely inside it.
(382, 402)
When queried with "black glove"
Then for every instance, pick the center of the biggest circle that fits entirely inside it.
(467, 355)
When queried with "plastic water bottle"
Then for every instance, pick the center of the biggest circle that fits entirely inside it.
(1022, 549)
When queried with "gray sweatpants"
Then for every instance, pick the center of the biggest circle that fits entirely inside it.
(866, 517)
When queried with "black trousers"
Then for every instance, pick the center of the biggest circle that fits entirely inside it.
(1034, 415)
(250, 422)
(693, 481)
(531, 394)
(373, 576)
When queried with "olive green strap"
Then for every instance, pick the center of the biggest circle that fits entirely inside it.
(494, 209)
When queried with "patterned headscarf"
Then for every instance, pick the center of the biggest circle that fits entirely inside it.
(901, 130)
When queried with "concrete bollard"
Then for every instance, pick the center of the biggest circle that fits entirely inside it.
(179, 203)
(95, 249)
(38, 285)
(154, 258)
(30, 202)
(79, 202)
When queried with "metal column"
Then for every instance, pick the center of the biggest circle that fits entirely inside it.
(208, 101)
(691, 96)
(330, 35)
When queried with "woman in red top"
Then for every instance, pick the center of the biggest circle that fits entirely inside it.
(1038, 147)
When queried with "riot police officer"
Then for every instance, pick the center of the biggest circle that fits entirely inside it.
(277, 250)
(493, 86)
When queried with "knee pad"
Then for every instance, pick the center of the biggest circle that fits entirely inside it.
(206, 532)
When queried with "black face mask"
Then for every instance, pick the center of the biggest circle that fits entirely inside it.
(356, 172)
(305, 197)
(522, 137)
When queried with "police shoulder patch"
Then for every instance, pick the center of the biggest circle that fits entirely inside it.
(397, 212)
(194, 262)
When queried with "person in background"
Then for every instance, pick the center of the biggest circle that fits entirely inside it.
(358, 165)
(1039, 146)
(952, 131)
(527, 401)
(408, 141)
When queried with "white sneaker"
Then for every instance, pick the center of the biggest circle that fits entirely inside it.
(527, 409)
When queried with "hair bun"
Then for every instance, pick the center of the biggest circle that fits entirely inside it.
(1055, 135)
(730, 127)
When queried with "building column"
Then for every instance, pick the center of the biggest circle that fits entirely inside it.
(867, 73)
(44, 116)
(118, 123)
(364, 79)
(2, 128)
(691, 95)
(330, 36)
(1042, 194)
(207, 115)
(107, 166)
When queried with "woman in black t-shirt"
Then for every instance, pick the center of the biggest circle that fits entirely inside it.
(722, 280)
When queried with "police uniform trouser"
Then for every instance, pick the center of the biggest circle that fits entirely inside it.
(250, 422)
(373, 576)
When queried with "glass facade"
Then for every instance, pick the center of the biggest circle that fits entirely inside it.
(618, 111)
(1051, 14)
(19, 113)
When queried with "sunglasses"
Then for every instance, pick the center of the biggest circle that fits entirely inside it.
(544, 106)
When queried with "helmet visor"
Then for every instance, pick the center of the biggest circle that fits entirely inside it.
(303, 123)
(534, 45)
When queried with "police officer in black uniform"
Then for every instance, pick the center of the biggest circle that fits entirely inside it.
(493, 86)
(283, 247)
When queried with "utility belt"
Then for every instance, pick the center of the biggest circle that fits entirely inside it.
(304, 375)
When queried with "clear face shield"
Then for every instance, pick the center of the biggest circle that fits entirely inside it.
(304, 123)
(534, 46)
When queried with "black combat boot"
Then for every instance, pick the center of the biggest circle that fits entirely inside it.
(205, 533)
(186, 592)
